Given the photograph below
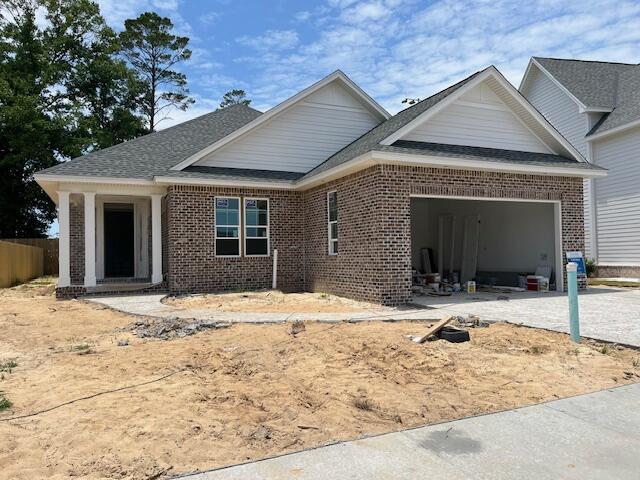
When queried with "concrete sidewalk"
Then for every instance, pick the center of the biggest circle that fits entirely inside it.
(595, 436)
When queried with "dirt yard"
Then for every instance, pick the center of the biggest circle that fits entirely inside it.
(249, 391)
(272, 301)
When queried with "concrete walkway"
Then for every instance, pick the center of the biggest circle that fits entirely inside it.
(611, 314)
(595, 436)
(606, 313)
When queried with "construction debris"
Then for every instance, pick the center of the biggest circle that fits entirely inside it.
(454, 335)
(434, 329)
(297, 326)
(170, 328)
(471, 321)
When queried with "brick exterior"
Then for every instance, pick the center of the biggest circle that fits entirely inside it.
(374, 231)
(625, 272)
(76, 239)
(193, 266)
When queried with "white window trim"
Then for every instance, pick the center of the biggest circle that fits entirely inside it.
(215, 224)
(329, 222)
(245, 226)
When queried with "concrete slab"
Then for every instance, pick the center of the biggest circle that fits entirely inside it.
(549, 441)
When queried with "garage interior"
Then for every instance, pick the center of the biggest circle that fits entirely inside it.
(494, 243)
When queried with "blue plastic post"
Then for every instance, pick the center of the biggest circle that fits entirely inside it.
(572, 289)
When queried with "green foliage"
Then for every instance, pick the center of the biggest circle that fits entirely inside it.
(65, 90)
(4, 402)
(234, 97)
(152, 51)
(8, 366)
(590, 266)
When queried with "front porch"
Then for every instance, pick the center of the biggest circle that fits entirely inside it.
(110, 240)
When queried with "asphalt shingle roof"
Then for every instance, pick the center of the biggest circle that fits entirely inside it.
(154, 154)
(593, 83)
(600, 85)
(484, 154)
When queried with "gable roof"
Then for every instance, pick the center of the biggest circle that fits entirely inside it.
(338, 76)
(389, 132)
(155, 153)
(607, 87)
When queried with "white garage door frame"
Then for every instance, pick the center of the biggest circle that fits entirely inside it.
(557, 224)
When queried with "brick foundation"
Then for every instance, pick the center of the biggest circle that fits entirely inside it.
(624, 272)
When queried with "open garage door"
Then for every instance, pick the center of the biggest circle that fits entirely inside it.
(494, 242)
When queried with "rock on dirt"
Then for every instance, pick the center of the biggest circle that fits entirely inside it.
(170, 328)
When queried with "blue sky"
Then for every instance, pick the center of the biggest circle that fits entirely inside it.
(392, 48)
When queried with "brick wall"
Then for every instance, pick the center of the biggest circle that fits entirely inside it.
(610, 271)
(192, 264)
(374, 230)
(76, 239)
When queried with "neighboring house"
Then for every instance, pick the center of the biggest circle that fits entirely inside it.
(348, 195)
(596, 106)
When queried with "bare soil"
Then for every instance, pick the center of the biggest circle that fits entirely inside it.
(272, 301)
(249, 391)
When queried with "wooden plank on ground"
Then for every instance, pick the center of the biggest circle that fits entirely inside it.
(433, 329)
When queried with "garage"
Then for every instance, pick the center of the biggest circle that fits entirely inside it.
(492, 242)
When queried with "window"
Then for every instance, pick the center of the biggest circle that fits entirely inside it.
(227, 232)
(256, 226)
(332, 217)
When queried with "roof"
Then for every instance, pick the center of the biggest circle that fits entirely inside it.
(592, 83)
(604, 85)
(484, 154)
(370, 140)
(155, 153)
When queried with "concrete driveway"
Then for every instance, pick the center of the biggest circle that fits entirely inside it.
(606, 313)
(595, 436)
(611, 314)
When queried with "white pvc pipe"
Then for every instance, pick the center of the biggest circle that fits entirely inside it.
(274, 282)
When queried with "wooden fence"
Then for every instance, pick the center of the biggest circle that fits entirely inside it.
(19, 263)
(49, 247)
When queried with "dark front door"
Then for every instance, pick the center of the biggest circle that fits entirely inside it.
(118, 240)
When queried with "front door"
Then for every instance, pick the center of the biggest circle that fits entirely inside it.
(118, 240)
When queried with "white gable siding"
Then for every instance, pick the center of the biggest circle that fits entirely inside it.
(562, 112)
(479, 119)
(618, 199)
(301, 137)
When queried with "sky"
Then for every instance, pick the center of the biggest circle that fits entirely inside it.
(393, 49)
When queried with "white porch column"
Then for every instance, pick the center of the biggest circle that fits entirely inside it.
(89, 239)
(156, 239)
(64, 264)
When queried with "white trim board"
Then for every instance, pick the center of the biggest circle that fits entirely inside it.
(557, 224)
(338, 75)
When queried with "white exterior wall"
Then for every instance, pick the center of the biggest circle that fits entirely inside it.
(301, 137)
(562, 112)
(480, 119)
(618, 199)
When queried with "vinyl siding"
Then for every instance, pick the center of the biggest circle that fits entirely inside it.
(480, 119)
(618, 199)
(302, 136)
(562, 112)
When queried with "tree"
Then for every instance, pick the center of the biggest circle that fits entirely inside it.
(234, 97)
(152, 50)
(36, 117)
(107, 94)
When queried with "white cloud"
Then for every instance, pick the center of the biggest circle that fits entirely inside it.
(210, 18)
(272, 40)
(402, 48)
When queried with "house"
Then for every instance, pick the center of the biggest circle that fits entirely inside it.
(596, 106)
(348, 195)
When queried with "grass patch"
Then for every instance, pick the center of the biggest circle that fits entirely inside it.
(4, 402)
(594, 282)
(82, 349)
(8, 366)
(605, 350)
(363, 403)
